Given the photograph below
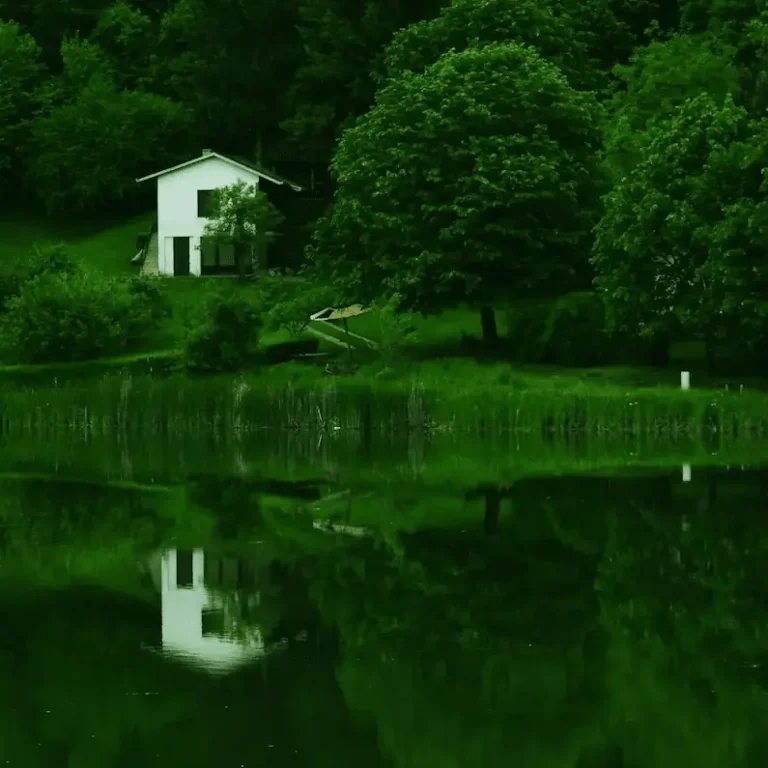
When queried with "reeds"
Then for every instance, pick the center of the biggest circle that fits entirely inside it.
(116, 404)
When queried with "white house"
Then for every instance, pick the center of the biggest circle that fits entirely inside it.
(199, 625)
(183, 203)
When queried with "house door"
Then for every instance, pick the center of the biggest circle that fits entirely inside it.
(180, 256)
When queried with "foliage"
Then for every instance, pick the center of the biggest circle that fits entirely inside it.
(126, 36)
(292, 302)
(570, 331)
(447, 186)
(74, 315)
(108, 134)
(225, 334)
(468, 24)
(682, 240)
(243, 217)
(396, 332)
(341, 45)
(49, 259)
(657, 80)
(21, 76)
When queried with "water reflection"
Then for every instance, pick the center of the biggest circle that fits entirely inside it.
(205, 622)
(587, 621)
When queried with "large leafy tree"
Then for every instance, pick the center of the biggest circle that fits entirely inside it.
(85, 153)
(342, 42)
(21, 75)
(682, 241)
(127, 36)
(657, 80)
(469, 23)
(231, 63)
(474, 181)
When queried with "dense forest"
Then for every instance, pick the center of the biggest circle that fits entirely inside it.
(478, 150)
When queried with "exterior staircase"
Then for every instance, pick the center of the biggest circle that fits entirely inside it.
(151, 264)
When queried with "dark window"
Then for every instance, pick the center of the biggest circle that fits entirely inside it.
(218, 259)
(184, 569)
(204, 203)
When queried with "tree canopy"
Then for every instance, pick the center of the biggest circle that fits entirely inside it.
(475, 180)
(682, 239)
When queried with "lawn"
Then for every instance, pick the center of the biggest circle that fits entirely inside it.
(109, 245)
(106, 245)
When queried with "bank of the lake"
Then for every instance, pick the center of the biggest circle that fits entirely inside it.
(448, 395)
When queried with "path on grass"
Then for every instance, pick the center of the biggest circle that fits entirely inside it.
(150, 265)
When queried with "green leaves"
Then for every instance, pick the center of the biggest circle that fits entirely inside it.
(243, 215)
(86, 153)
(470, 24)
(448, 186)
(680, 242)
(21, 75)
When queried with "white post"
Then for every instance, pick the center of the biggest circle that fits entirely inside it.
(685, 379)
(686, 473)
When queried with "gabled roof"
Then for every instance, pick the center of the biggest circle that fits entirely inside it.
(238, 162)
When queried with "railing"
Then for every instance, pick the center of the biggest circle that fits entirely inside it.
(142, 254)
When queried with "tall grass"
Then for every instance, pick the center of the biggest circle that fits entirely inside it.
(299, 398)
(416, 462)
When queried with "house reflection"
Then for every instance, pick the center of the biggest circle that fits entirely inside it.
(206, 603)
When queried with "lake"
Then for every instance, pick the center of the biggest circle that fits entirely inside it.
(287, 599)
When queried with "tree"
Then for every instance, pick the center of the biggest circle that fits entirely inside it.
(85, 153)
(221, 60)
(21, 75)
(658, 79)
(244, 218)
(681, 243)
(342, 43)
(474, 181)
(468, 23)
(127, 36)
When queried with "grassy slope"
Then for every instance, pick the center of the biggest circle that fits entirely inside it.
(108, 247)
(441, 336)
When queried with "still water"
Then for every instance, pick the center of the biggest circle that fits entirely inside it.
(293, 617)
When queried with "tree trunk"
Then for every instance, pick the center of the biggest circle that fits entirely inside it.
(488, 323)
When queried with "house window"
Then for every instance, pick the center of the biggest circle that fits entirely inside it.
(217, 259)
(204, 203)
(184, 569)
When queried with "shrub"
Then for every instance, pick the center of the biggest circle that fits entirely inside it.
(74, 315)
(291, 302)
(150, 291)
(47, 259)
(225, 335)
(571, 330)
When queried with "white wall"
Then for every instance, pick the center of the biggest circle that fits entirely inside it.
(182, 621)
(177, 206)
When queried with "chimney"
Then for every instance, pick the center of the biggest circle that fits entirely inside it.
(207, 152)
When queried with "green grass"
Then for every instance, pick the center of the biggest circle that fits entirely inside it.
(102, 244)
(107, 246)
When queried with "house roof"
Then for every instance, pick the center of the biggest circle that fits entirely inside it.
(238, 162)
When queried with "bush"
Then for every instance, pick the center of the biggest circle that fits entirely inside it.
(571, 330)
(74, 315)
(151, 291)
(47, 259)
(225, 336)
(291, 302)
